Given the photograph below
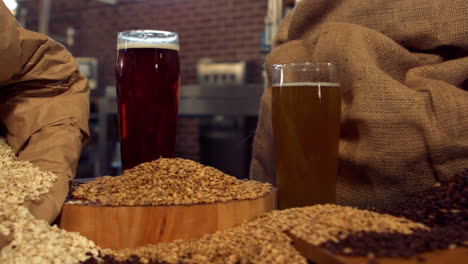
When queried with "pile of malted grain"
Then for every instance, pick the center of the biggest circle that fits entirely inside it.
(169, 182)
(32, 240)
(436, 219)
(443, 208)
(264, 240)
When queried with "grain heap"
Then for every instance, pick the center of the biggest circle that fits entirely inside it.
(443, 207)
(169, 182)
(20, 180)
(244, 244)
(264, 240)
(321, 223)
(32, 241)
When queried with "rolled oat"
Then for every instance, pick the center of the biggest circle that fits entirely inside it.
(32, 240)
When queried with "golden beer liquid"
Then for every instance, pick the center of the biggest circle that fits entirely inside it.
(306, 125)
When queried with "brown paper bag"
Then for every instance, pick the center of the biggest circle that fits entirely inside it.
(44, 107)
(404, 78)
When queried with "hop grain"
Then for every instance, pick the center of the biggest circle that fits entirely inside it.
(169, 182)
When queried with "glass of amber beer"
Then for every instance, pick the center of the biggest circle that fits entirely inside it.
(148, 78)
(306, 106)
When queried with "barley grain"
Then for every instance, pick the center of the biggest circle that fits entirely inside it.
(169, 182)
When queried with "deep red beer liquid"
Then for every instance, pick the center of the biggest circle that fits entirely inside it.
(148, 94)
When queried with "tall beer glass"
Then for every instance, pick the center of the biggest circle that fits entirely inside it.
(306, 107)
(148, 74)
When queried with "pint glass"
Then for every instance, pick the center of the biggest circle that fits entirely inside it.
(148, 74)
(306, 107)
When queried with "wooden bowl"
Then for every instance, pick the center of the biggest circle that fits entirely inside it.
(120, 227)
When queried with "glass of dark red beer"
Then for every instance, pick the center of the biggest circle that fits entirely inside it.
(148, 79)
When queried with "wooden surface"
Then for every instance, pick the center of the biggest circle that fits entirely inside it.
(132, 226)
(321, 256)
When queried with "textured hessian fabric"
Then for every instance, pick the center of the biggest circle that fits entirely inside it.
(404, 80)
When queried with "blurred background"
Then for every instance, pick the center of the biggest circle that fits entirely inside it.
(223, 44)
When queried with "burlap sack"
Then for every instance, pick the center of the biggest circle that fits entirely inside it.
(44, 107)
(404, 81)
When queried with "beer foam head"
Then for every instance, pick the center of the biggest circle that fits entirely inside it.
(139, 45)
(138, 39)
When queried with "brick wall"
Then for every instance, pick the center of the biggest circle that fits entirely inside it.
(187, 144)
(224, 30)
